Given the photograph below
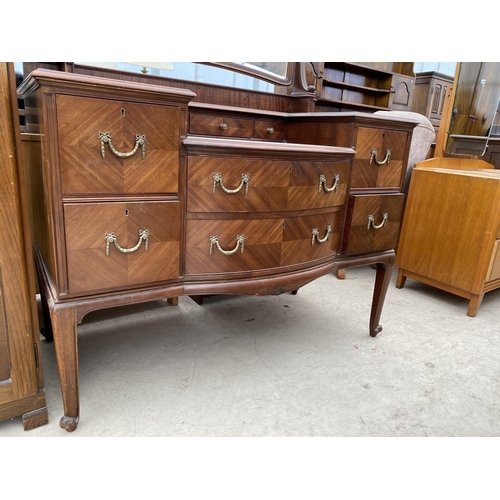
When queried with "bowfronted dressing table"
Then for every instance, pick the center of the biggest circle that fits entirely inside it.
(141, 196)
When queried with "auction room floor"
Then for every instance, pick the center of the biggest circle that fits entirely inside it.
(287, 365)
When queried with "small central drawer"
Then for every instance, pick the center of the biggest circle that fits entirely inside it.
(119, 244)
(220, 125)
(373, 223)
(117, 147)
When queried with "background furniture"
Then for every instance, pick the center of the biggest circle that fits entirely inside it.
(21, 377)
(450, 238)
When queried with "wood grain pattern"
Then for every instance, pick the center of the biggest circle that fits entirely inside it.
(83, 170)
(90, 269)
(220, 125)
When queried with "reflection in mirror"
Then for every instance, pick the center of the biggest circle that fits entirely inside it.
(475, 106)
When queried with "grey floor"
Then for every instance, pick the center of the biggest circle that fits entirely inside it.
(286, 365)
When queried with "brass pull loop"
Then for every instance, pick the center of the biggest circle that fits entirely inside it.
(371, 222)
(245, 179)
(105, 137)
(223, 126)
(111, 238)
(315, 235)
(322, 183)
(270, 130)
(386, 160)
(214, 240)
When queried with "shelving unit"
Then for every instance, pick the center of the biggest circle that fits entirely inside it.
(367, 87)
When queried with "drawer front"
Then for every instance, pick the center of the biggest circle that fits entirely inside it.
(220, 125)
(318, 185)
(494, 269)
(309, 238)
(373, 222)
(269, 130)
(96, 263)
(265, 190)
(224, 253)
(88, 164)
(379, 159)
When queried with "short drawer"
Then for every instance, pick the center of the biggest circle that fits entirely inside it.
(220, 125)
(494, 268)
(269, 130)
(308, 238)
(118, 244)
(373, 223)
(232, 246)
(117, 147)
(380, 158)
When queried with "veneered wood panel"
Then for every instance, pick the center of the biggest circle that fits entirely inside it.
(84, 170)
(90, 269)
(262, 245)
(220, 125)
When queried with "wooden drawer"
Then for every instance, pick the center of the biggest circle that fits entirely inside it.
(152, 169)
(494, 268)
(94, 264)
(311, 237)
(220, 125)
(268, 185)
(269, 130)
(259, 250)
(387, 147)
(366, 230)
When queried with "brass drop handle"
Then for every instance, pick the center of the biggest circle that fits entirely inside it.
(217, 178)
(240, 240)
(371, 222)
(373, 156)
(223, 126)
(322, 183)
(270, 130)
(315, 235)
(111, 238)
(105, 138)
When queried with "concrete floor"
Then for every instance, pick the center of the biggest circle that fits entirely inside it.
(286, 365)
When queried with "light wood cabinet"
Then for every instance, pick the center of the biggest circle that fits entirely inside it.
(21, 378)
(451, 228)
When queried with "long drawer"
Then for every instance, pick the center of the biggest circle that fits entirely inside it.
(373, 222)
(234, 246)
(259, 185)
(121, 244)
(117, 147)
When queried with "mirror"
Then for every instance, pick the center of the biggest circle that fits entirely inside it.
(474, 111)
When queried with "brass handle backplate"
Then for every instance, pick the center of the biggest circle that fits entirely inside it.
(322, 183)
(315, 235)
(217, 178)
(371, 222)
(111, 238)
(105, 137)
(373, 157)
(240, 240)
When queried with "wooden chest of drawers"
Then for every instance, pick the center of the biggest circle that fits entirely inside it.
(138, 199)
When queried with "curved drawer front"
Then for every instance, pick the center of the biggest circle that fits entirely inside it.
(318, 184)
(255, 185)
(259, 245)
(266, 188)
(373, 222)
(311, 237)
(220, 125)
(96, 262)
(91, 128)
(379, 159)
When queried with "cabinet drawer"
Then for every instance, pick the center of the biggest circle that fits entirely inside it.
(308, 238)
(269, 130)
(494, 269)
(247, 185)
(94, 263)
(87, 162)
(220, 125)
(213, 246)
(373, 222)
(380, 158)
